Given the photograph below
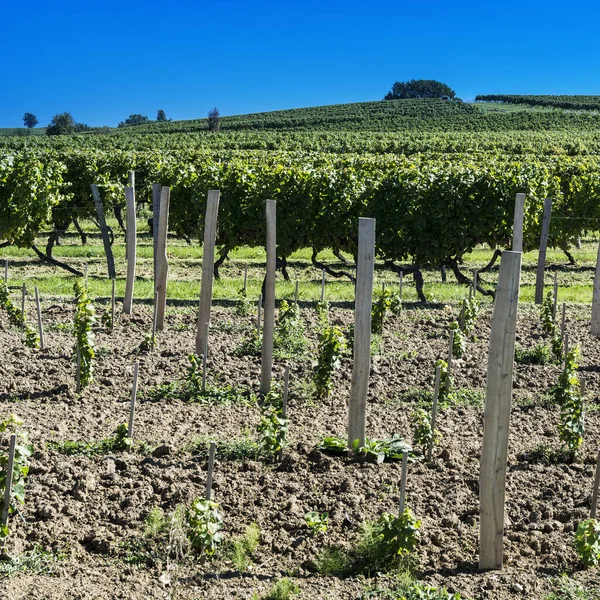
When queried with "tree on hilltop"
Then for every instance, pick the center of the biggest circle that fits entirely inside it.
(419, 88)
(136, 119)
(30, 120)
(213, 120)
(61, 124)
(160, 115)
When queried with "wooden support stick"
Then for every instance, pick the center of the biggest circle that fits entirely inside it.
(6, 271)
(400, 286)
(10, 467)
(258, 315)
(582, 386)
(204, 357)
(296, 295)
(449, 362)
(462, 315)
(492, 480)
(78, 373)
(23, 296)
(162, 262)
(563, 320)
(595, 490)
(474, 283)
(112, 306)
(110, 261)
(436, 393)
(269, 313)
(154, 317)
(39, 316)
(517, 244)
(245, 280)
(359, 386)
(156, 194)
(136, 369)
(208, 260)
(131, 250)
(565, 348)
(539, 280)
(555, 301)
(209, 469)
(403, 481)
(322, 285)
(284, 404)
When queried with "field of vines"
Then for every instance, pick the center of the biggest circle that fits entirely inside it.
(108, 503)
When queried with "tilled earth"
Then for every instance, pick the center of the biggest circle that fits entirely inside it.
(90, 510)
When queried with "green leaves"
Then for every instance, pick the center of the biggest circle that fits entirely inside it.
(204, 523)
(587, 542)
(84, 338)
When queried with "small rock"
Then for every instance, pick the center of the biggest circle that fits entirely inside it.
(47, 512)
(161, 451)
(517, 588)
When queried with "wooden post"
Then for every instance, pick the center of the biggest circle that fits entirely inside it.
(474, 284)
(400, 285)
(78, 373)
(492, 480)
(156, 194)
(539, 280)
(208, 259)
(136, 369)
(403, 481)
(112, 306)
(436, 393)
(565, 349)
(39, 316)
(209, 470)
(357, 413)
(245, 280)
(162, 263)
(269, 312)
(23, 295)
(322, 285)
(154, 318)
(104, 231)
(517, 244)
(596, 298)
(449, 362)
(582, 386)
(284, 404)
(555, 302)
(6, 271)
(296, 295)
(258, 315)
(563, 320)
(462, 315)
(595, 490)
(9, 478)
(131, 250)
(204, 356)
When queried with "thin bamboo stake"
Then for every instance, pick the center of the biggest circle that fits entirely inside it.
(436, 393)
(210, 469)
(8, 481)
(39, 316)
(136, 369)
(403, 481)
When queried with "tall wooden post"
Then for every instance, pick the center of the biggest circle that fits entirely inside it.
(208, 259)
(104, 231)
(539, 280)
(517, 244)
(492, 480)
(131, 250)
(596, 299)
(357, 414)
(162, 263)
(269, 311)
(8, 480)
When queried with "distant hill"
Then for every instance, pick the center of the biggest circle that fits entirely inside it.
(560, 102)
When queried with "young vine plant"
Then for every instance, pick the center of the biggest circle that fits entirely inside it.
(17, 318)
(84, 338)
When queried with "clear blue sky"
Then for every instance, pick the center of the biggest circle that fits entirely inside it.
(103, 61)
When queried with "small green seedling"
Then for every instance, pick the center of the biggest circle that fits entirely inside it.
(316, 522)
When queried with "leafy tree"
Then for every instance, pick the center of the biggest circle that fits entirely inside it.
(30, 120)
(213, 120)
(136, 119)
(419, 88)
(61, 124)
(81, 127)
(160, 115)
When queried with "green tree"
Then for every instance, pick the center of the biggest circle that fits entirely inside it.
(213, 120)
(61, 124)
(136, 119)
(30, 120)
(160, 115)
(419, 88)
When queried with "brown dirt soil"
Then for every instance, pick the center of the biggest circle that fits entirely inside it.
(92, 509)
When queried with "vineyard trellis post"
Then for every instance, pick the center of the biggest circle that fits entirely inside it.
(209, 470)
(131, 250)
(9, 478)
(39, 318)
(539, 279)
(156, 194)
(492, 481)
(208, 259)
(269, 311)
(134, 388)
(110, 260)
(596, 298)
(162, 263)
(517, 243)
(595, 490)
(359, 386)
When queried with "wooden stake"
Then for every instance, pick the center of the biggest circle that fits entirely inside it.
(400, 285)
(492, 481)
(595, 490)
(154, 317)
(563, 320)
(112, 307)
(131, 250)
(156, 194)
(539, 280)
(208, 259)
(582, 386)
(596, 298)
(104, 231)
(286, 389)
(204, 357)
(39, 316)
(359, 386)
(269, 316)
(462, 315)
(565, 348)
(162, 262)
(449, 362)
(474, 283)
(245, 280)
(8, 481)
(136, 369)
(296, 295)
(78, 373)
(23, 295)
(436, 393)
(209, 470)
(517, 244)
(403, 481)
(554, 304)
(322, 285)
(6, 271)
(258, 315)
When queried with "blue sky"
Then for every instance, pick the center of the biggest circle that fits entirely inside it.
(103, 61)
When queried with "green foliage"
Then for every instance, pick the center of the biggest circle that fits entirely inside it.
(160, 115)
(17, 318)
(30, 120)
(213, 120)
(204, 523)
(61, 124)
(547, 315)
(375, 450)
(106, 319)
(571, 590)
(272, 430)
(23, 451)
(445, 381)
(316, 522)
(147, 344)
(331, 346)
(552, 101)
(36, 561)
(244, 546)
(251, 346)
(289, 339)
(84, 338)
(385, 301)
(538, 355)
(459, 343)
(471, 311)
(283, 589)
(135, 119)
(235, 449)
(412, 591)
(334, 561)
(419, 88)
(423, 434)
(587, 542)
(115, 443)
(243, 306)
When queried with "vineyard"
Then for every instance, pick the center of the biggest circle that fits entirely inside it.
(161, 451)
